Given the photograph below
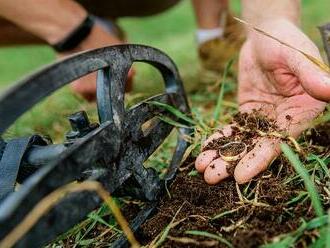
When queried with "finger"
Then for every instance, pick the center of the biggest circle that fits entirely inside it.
(296, 113)
(216, 171)
(314, 80)
(257, 160)
(224, 132)
(204, 159)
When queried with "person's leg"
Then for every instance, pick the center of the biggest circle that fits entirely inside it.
(218, 35)
(123, 8)
(49, 20)
(51, 23)
(209, 12)
(15, 16)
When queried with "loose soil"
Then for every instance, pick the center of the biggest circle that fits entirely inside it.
(194, 205)
(245, 226)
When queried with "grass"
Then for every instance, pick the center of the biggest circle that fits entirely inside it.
(319, 224)
(209, 235)
(53, 198)
(172, 32)
(303, 173)
(218, 107)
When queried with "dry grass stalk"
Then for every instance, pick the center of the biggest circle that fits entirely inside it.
(48, 202)
(317, 62)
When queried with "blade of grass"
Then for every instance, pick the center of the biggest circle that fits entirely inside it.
(226, 213)
(199, 119)
(317, 62)
(317, 222)
(218, 108)
(322, 164)
(193, 173)
(99, 219)
(96, 218)
(167, 229)
(209, 235)
(188, 152)
(172, 122)
(87, 242)
(300, 197)
(49, 201)
(174, 111)
(301, 170)
(288, 240)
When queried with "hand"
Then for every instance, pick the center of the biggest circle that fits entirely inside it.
(280, 82)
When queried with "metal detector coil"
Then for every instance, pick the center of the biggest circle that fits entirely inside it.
(111, 151)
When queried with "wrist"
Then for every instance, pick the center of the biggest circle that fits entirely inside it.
(98, 37)
(260, 12)
(73, 39)
(270, 26)
(58, 31)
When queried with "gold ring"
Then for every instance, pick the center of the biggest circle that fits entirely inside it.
(232, 151)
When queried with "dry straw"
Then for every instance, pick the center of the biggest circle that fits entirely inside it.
(311, 58)
(48, 202)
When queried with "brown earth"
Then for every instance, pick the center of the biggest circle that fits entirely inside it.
(265, 213)
(249, 225)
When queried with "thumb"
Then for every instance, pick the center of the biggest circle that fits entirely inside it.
(314, 80)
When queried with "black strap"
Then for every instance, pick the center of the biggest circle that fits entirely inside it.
(9, 164)
(76, 36)
(11, 155)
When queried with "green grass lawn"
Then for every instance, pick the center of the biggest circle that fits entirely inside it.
(172, 32)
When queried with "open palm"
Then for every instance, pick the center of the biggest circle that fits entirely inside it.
(282, 84)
